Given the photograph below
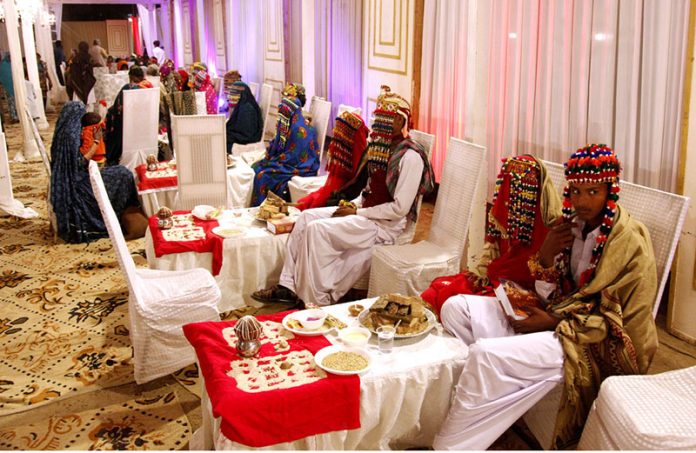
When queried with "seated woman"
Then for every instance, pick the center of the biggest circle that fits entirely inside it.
(345, 153)
(293, 151)
(92, 147)
(76, 209)
(114, 117)
(201, 82)
(245, 124)
(596, 273)
(525, 205)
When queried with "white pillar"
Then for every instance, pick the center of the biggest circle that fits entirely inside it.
(178, 51)
(32, 66)
(202, 37)
(308, 51)
(166, 25)
(30, 149)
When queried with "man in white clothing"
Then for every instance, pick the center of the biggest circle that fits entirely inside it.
(596, 276)
(158, 53)
(330, 248)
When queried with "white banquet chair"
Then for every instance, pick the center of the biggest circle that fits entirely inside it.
(159, 302)
(301, 186)
(254, 87)
(265, 106)
(655, 412)
(663, 213)
(320, 111)
(201, 106)
(140, 126)
(426, 141)
(409, 269)
(201, 160)
(154, 80)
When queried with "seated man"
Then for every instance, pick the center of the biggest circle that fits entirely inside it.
(345, 154)
(596, 273)
(525, 205)
(330, 248)
(293, 151)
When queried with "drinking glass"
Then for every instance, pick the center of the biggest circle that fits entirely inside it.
(385, 338)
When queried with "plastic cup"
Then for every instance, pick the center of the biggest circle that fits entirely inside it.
(385, 338)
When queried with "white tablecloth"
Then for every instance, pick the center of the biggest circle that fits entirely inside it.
(404, 397)
(251, 261)
(240, 182)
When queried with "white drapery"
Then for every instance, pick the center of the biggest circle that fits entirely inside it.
(57, 10)
(147, 17)
(548, 77)
(245, 38)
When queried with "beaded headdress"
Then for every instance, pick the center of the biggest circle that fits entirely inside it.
(234, 93)
(520, 199)
(389, 105)
(594, 164)
(286, 110)
(293, 90)
(346, 136)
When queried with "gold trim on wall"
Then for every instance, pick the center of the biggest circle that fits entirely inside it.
(394, 34)
(403, 38)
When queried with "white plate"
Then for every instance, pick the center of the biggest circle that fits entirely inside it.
(227, 231)
(323, 353)
(321, 331)
(201, 211)
(432, 321)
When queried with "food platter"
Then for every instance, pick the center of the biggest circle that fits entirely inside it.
(320, 358)
(432, 322)
(291, 321)
(292, 212)
(228, 232)
(205, 212)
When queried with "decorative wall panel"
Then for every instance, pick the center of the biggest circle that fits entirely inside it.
(186, 31)
(117, 37)
(388, 35)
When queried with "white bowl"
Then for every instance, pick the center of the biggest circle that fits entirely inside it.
(355, 336)
(312, 319)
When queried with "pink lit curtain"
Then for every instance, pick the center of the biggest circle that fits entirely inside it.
(540, 77)
(149, 33)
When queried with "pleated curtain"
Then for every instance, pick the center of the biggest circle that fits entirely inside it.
(547, 77)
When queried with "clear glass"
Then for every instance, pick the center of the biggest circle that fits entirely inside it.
(385, 338)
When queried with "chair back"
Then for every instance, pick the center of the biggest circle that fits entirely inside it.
(461, 174)
(201, 160)
(154, 80)
(347, 108)
(254, 87)
(426, 141)
(39, 144)
(219, 88)
(140, 125)
(265, 103)
(201, 105)
(321, 113)
(100, 71)
(663, 213)
(125, 260)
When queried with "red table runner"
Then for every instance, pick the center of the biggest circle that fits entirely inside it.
(210, 243)
(257, 417)
(162, 178)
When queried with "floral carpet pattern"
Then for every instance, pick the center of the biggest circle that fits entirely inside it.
(149, 424)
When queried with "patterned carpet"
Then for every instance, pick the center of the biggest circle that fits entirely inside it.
(66, 376)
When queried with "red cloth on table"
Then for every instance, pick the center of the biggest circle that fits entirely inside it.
(273, 416)
(212, 243)
(145, 183)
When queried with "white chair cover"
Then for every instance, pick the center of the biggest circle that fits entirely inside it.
(140, 126)
(201, 106)
(655, 412)
(409, 269)
(347, 108)
(254, 87)
(663, 213)
(154, 80)
(159, 302)
(201, 160)
(107, 86)
(320, 111)
(265, 104)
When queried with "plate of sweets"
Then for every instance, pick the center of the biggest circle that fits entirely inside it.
(274, 207)
(407, 313)
(343, 360)
(310, 322)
